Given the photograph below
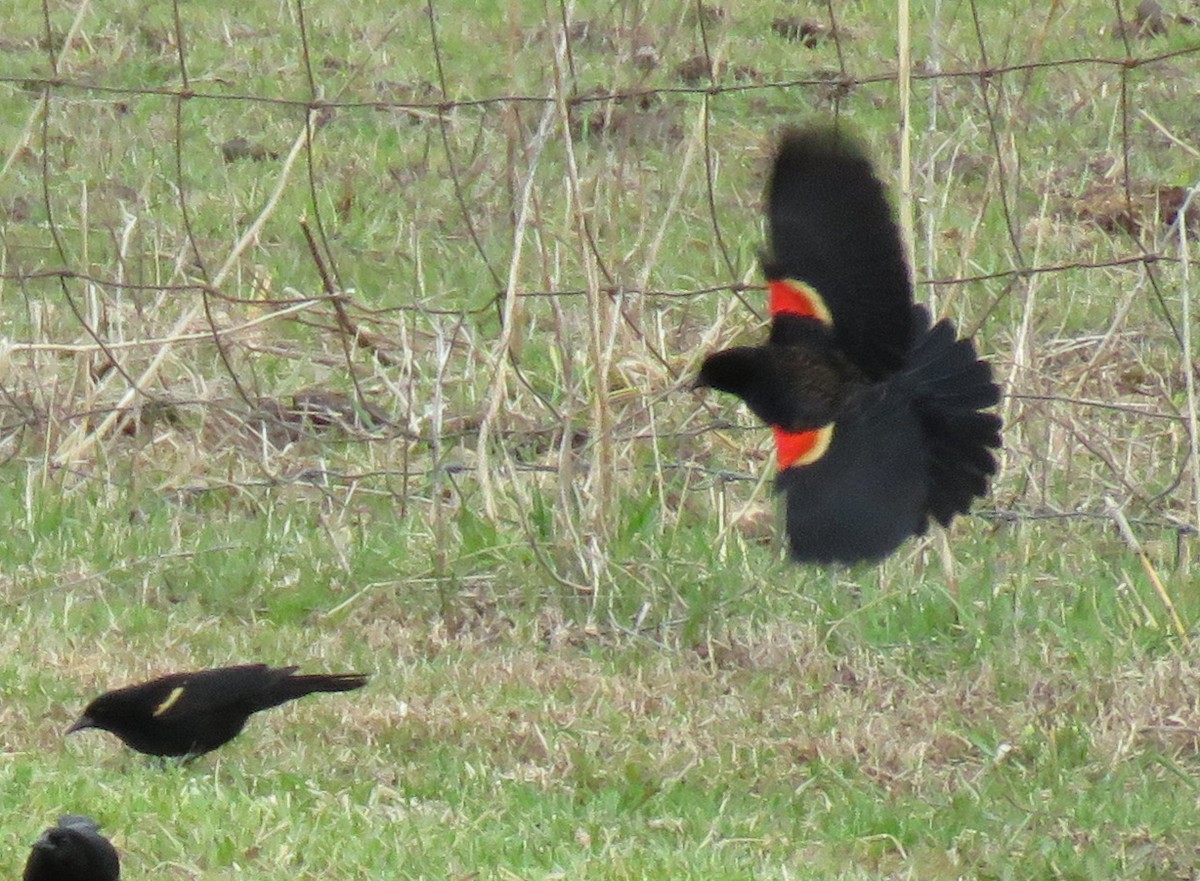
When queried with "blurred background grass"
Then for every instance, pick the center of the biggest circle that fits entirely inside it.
(451, 441)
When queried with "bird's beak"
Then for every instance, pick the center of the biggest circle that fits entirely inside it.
(82, 723)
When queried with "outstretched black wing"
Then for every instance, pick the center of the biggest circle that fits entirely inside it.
(868, 492)
(830, 227)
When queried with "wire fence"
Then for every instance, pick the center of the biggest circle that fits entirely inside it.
(432, 250)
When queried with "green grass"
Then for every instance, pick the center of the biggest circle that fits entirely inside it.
(574, 679)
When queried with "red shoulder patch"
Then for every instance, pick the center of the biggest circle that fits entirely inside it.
(791, 297)
(794, 448)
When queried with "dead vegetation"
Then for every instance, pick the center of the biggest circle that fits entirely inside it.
(431, 328)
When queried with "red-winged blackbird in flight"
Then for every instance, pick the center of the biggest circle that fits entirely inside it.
(189, 714)
(876, 414)
(74, 850)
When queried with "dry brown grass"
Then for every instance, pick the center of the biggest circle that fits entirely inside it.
(450, 441)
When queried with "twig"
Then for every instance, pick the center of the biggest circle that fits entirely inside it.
(351, 332)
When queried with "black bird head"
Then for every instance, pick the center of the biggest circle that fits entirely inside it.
(74, 850)
(104, 713)
(731, 370)
(794, 388)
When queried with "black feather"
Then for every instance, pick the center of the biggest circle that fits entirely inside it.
(830, 226)
(74, 850)
(188, 714)
(866, 494)
(903, 451)
(904, 398)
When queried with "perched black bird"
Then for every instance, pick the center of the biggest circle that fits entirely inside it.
(189, 714)
(74, 850)
(877, 415)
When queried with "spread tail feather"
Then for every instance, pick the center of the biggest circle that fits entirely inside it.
(951, 386)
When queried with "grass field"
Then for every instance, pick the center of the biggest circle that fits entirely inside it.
(470, 463)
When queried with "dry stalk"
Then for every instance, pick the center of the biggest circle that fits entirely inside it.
(199, 336)
(1189, 370)
(729, 521)
(1118, 517)
(668, 217)
(1169, 135)
(934, 63)
(441, 542)
(352, 334)
(1106, 342)
(904, 85)
(600, 320)
(497, 393)
(1022, 358)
